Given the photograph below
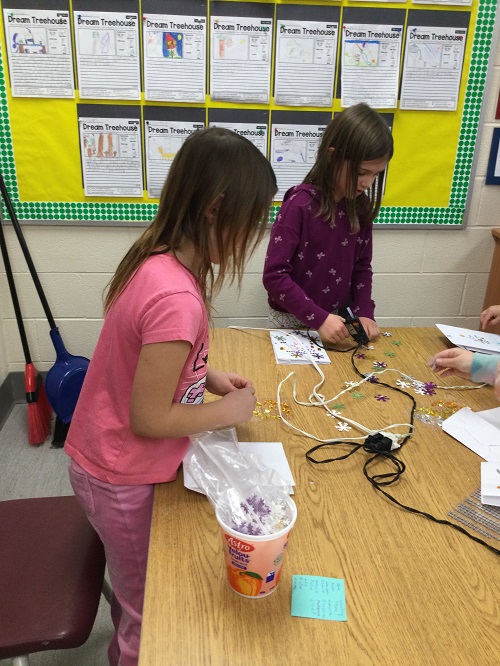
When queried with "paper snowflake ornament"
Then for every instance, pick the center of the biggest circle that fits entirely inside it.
(343, 427)
(402, 384)
(429, 388)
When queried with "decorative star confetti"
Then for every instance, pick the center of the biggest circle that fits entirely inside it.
(373, 379)
(402, 383)
(387, 334)
(338, 405)
(396, 343)
(360, 356)
(343, 426)
(437, 412)
(268, 409)
(420, 390)
(357, 394)
(379, 365)
(381, 398)
(390, 354)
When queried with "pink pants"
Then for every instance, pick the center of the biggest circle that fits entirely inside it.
(121, 515)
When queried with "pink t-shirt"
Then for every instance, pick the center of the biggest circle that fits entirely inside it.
(161, 303)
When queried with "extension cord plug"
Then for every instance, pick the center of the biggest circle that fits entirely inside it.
(380, 441)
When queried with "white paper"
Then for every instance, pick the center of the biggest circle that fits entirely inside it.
(107, 55)
(293, 153)
(111, 157)
(271, 453)
(254, 132)
(39, 52)
(240, 63)
(305, 63)
(477, 341)
(174, 58)
(475, 432)
(370, 64)
(490, 483)
(294, 347)
(163, 139)
(432, 68)
(462, 3)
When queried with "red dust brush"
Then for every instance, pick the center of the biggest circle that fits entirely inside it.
(39, 410)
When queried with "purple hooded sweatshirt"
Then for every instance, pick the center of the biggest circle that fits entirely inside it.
(313, 267)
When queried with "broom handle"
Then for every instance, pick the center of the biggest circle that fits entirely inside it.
(13, 293)
(26, 252)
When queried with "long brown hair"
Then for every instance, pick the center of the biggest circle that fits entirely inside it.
(214, 167)
(357, 134)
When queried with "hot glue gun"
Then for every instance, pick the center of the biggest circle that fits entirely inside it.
(354, 326)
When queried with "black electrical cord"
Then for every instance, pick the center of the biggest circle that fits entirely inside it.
(381, 449)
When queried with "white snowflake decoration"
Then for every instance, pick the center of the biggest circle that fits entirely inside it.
(402, 384)
(343, 427)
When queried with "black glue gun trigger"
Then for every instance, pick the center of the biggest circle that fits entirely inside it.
(354, 326)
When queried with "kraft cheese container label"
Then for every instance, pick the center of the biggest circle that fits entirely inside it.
(254, 563)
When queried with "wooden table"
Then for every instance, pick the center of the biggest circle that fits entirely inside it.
(417, 592)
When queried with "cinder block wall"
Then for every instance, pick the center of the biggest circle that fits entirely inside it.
(421, 276)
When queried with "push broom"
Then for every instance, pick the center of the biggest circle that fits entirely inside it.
(64, 380)
(39, 409)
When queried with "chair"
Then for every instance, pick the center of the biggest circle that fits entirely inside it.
(51, 575)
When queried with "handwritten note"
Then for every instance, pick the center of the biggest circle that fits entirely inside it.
(319, 597)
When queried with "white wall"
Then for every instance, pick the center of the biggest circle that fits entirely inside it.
(420, 276)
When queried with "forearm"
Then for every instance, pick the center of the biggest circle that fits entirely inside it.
(484, 367)
(182, 420)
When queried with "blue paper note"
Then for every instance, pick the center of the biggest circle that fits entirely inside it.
(319, 597)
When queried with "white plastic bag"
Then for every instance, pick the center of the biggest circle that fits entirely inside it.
(249, 496)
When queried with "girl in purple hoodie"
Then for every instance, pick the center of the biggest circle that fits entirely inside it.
(320, 246)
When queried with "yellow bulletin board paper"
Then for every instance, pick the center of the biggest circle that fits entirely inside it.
(428, 177)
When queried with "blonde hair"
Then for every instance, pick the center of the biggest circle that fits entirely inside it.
(357, 134)
(214, 167)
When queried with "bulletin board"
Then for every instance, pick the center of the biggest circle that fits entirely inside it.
(427, 181)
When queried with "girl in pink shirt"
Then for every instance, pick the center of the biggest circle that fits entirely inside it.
(143, 392)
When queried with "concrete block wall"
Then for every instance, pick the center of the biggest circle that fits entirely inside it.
(421, 276)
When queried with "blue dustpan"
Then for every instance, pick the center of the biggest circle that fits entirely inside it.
(64, 380)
